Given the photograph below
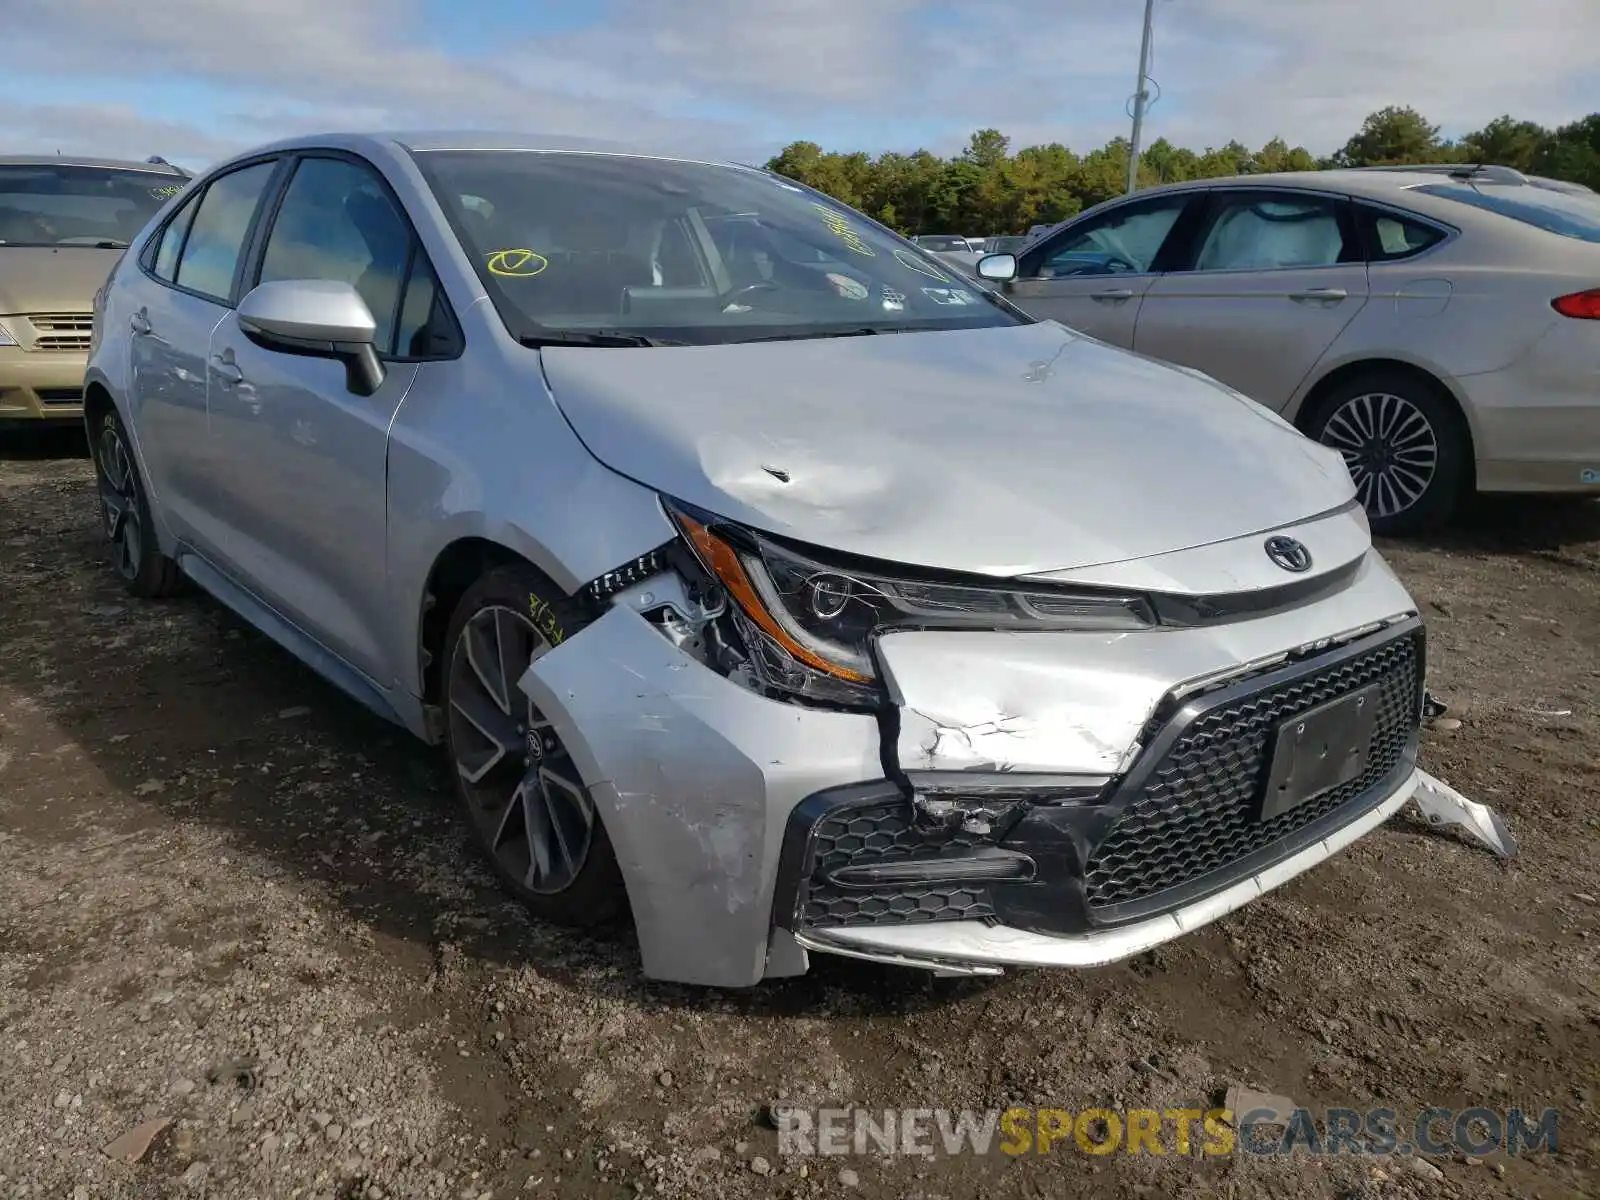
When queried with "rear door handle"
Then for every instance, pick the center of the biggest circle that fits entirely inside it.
(1113, 294)
(223, 366)
(139, 322)
(1320, 293)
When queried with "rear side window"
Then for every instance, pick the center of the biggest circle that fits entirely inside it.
(1273, 231)
(221, 224)
(1391, 237)
(1569, 216)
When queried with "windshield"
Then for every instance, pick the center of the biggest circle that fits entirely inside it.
(1004, 245)
(685, 251)
(1570, 215)
(65, 205)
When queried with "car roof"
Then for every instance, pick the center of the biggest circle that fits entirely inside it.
(72, 160)
(419, 141)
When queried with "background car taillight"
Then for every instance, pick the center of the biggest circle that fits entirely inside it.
(1583, 305)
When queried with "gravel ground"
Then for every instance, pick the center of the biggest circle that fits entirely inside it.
(241, 928)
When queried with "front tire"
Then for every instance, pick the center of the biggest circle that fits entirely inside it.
(529, 808)
(125, 515)
(1405, 444)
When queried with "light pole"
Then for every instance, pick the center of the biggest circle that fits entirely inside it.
(1140, 96)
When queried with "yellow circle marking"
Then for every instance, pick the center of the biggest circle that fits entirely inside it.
(517, 264)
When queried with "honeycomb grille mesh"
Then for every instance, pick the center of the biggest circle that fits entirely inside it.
(884, 833)
(1195, 814)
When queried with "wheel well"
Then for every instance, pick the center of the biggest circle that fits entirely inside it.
(461, 564)
(1370, 366)
(96, 404)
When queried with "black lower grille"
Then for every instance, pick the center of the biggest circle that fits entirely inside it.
(60, 395)
(881, 833)
(1195, 812)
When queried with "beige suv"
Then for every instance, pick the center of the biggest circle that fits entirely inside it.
(64, 223)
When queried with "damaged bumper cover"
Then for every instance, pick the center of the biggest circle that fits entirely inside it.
(1023, 798)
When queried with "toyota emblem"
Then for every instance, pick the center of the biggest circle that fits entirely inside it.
(1289, 554)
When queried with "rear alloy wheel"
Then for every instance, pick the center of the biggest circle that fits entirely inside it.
(1404, 447)
(526, 799)
(125, 515)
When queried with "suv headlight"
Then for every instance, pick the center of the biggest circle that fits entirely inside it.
(809, 625)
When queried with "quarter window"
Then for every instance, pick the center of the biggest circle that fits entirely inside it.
(1124, 241)
(220, 226)
(166, 260)
(337, 222)
(1256, 232)
(1391, 237)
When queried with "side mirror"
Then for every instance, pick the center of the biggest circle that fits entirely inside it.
(1000, 268)
(320, 318)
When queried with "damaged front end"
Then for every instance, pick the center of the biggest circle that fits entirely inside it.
(962, 774)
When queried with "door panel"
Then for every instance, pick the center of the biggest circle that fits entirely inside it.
(1276, 278)
(303, 459)
(304, 465)
(1092, 274)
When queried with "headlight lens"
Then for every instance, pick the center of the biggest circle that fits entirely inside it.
(5, 336)
(814, 622)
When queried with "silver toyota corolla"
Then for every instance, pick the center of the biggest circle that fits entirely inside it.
(758, 575)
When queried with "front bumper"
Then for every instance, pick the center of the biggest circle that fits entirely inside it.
(973, 947)
(40, 386)
(1080, 872)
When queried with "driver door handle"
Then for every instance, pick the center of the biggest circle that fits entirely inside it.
(1325, 294)
(139, 322)
(1113, 294)
(223, 366)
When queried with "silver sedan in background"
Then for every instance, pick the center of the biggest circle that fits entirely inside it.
(759, 577)
(1439, 328)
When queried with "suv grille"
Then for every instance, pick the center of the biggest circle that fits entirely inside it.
(1195, 812)
(62, 332)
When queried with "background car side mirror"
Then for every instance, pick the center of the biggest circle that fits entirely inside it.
(1001, 268)
(319, 318)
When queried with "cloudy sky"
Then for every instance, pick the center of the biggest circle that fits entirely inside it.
(194, 79)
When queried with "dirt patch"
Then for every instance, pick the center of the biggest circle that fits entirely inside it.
(233, 901)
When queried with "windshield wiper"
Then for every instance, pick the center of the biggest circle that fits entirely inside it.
(591, 337)
(804, 335)
(97, 243)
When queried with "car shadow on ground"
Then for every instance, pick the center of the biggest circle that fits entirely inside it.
(186, 712)
(43, 443)
(1538, 525)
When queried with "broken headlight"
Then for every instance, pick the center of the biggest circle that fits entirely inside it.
(809, 625)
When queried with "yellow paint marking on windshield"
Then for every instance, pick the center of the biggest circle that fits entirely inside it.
(906, 259)
(841, 229)
(167, 192)
(517, 264)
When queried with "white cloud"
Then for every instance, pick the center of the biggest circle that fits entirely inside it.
(744, 77)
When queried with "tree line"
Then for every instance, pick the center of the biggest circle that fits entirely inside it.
(989, 189)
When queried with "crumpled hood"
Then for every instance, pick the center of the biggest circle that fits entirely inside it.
(52, 279)
(1004, 451)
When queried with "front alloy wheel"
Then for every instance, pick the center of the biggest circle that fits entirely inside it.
(532, 811)
(119, 503)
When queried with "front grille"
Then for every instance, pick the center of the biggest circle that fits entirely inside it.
(875, 833)
(62, 332)
(1195, 813)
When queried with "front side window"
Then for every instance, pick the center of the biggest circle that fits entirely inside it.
(685, 251)
(1124, 241)
(67, 205)
(1571, 216)
(1257, 232)
(216, 236)
(337, 222)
